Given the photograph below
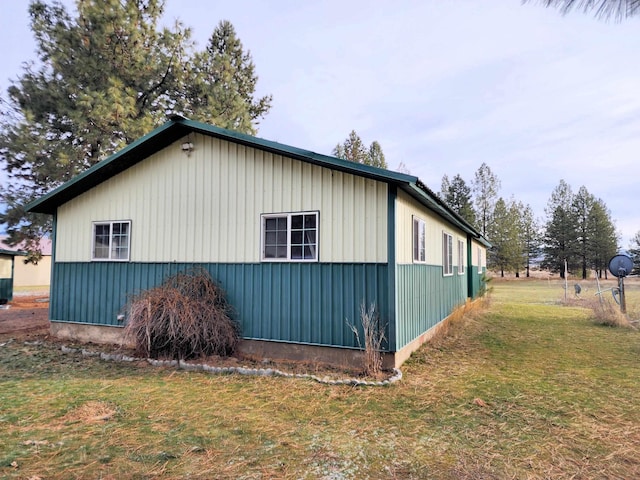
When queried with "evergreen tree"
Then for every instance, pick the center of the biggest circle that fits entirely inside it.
(354, 150)
(605, 9)
(103, 79)
(485, 186)
(375, 156)
(634, 251)
(581, 205)
(219, 86)
(457, 194)
(603, 235)
(560, 231)
(530, 236)
(507, 250)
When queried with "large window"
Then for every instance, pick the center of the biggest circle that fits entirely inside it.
(111, 241)
(290, 237)
(461, 255)
(447, 254)
(419, 241)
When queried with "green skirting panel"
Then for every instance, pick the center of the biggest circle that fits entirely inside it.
(425, 298)
(6, 288)
(476, 283)
(309, 303)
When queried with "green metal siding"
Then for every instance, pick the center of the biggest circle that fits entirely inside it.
(425, 298)
(307, 303)
(475, 282)
(6, 271)
(6, 288)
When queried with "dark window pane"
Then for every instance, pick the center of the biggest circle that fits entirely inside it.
(296, 252)
(296, 238)
(310, 236)
(270, 238)
(309, 253)
(281, 252)
(296, 221)
(271, 224)
(282, 238)
(309, 221)
(282, 223)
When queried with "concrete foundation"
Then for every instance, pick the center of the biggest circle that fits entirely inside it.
(260, 349)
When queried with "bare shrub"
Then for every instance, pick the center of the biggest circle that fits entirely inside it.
(608, 313)
(374, 336)
(185, 317)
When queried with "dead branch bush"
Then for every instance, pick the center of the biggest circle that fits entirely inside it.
(374, 336)
(186, 317)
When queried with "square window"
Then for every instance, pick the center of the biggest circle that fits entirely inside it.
(290, 237)
(111, 241)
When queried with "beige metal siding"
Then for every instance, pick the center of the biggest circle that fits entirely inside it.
(5, 266)
(206, 207)
(406, 208)
(30, 275)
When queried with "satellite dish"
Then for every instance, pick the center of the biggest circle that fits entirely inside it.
(621, 265)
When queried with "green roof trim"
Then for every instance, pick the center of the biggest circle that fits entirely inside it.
(178, 127)
(12, 253)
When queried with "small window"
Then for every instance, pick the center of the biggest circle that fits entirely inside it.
(290, 237)
(419, 241)
(461, 255)
(111, 241)
(480, 260)
(447, 254)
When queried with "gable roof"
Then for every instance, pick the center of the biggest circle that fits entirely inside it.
(178, 127)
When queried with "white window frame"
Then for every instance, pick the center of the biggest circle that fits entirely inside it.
(419, 235)
(479, 260)
(447, 254)
(111, 247)
(288, 215)
(461, 257)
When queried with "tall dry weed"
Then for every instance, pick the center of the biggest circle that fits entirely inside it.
(373, 338)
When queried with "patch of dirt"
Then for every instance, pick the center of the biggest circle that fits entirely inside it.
(26, 315)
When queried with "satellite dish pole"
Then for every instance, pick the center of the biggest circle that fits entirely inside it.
(620, 266)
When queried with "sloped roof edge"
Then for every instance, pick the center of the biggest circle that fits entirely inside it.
(12, 253)
(177, 127)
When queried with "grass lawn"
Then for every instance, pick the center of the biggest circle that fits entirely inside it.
(528, 388)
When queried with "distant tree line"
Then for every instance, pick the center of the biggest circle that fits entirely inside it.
(578, 230)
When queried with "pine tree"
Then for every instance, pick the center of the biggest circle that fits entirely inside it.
(581, 205)
(220, 83)
(507, 251)
(605, 9)
(603, 237)
(354, 150)
(634, 251)
(104, 79)
(560, 232)
(457, 194)
(530, 236)
(485, 186)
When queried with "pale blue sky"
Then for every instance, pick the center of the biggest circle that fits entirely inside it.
(442, 85)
